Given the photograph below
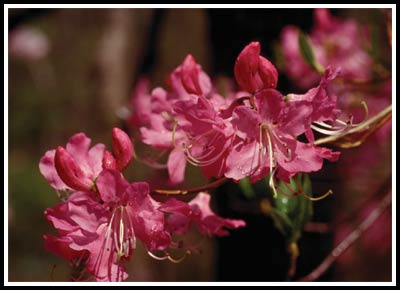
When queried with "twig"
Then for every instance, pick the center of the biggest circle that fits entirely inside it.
(384, 114)
(349, 240)
(208, 186)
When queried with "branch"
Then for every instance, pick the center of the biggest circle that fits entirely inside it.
(349, 240)
(378, 120)
(208, 186)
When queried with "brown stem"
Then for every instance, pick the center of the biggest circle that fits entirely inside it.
(208, 186)
(294, 254)
(349, 240)
(378, 120)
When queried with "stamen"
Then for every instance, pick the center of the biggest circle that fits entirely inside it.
(281, 191)
(329, 192)
(329, 132)
(205, 159)
(271, 165)
(168, 257)
(176, 261)
(294, 192)
(157, 257)
(173, 136)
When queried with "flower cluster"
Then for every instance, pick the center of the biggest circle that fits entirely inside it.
(103, 215)
(253, 133)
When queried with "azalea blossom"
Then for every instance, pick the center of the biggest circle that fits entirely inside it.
(266, 140)
(339, 43)
(102, 230)
(76, 167)
(183, 215)
(173, 122)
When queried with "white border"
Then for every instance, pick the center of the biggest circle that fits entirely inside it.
(8, 6)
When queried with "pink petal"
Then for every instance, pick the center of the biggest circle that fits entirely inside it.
(245, 160)
(78, 146)
(173, 205)
(270, 104)
(95, 158)
(245, 122)
(207, 221)
(176, 166)
(140, 103)
(48, 170)
(111, 186)
(147, 220)
(60, 247)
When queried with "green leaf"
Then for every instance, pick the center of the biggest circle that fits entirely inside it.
(307, 53)
(281, 222)
(297, 209)
(247, 188)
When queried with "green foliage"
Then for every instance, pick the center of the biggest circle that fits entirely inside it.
(247, 188)
(307, 53)
(290, 214)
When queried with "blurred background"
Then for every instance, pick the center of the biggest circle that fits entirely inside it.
(73, 70)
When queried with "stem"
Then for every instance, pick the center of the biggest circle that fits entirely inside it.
(294, 254)
(208, 186)
(349, 240)
(379, 118)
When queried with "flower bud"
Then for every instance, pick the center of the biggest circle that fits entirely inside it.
(70, 172)
(123, 148)
(190, 76)
(254, 72)
(109, 161)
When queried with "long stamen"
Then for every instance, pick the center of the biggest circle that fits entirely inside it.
(132, 238)
(174, 127)
(271, 165)
(329, 132)
(108, 234)
(168, 257)
(329, 192)
(157, 257)
(294, 192)
(205, 159)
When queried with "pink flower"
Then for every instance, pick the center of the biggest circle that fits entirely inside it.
(171, 127)
(197, 211)
(323, 102)
(254, 72)
(209, 136)
(103, 229)
(339, 43)
(140, 104)
(266, 139)
(189, 78)
(74, 167)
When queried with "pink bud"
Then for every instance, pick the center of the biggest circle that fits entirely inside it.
(190, 76)
(254, 72)
(123, 148)
(109, 160)
(70, 173)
